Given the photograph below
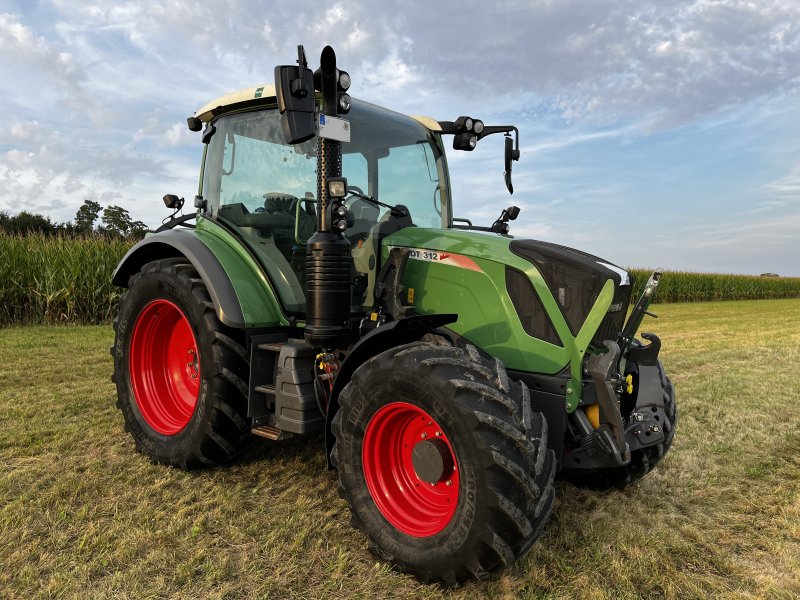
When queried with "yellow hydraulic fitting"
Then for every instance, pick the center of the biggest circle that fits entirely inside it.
(593, 414)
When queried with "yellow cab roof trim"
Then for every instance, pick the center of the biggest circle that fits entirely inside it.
(266, 92)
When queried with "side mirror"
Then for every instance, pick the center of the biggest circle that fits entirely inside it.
(173, 202)
(501, 224)
(511, 154)
(294, 87)
(194, 124)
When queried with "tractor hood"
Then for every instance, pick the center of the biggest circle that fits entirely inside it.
(511, 293)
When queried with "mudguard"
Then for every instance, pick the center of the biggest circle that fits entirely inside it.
(390, 335)
(225, 296)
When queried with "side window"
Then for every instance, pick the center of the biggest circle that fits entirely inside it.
(408, 176)
(248, 160)
(354, 167)
(265, 188)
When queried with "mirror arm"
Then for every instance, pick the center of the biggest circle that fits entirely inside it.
(448, 127)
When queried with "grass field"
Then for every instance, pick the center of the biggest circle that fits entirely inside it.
(81, 514)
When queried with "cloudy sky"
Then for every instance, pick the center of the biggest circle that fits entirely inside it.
(655, 134)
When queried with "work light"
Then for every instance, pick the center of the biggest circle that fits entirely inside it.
(337, 187)
(344, 103)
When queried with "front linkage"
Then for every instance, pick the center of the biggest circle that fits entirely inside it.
(630, 413)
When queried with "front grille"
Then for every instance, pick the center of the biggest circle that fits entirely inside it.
(576, 279)
(534, 318)
(614, 320)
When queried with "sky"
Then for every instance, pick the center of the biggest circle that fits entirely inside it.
(654, 134)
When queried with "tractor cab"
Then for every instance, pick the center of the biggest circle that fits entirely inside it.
(264, 189)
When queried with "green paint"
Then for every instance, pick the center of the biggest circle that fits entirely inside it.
(487, 317)
(202, 170)
(580, 343)
(259, 303)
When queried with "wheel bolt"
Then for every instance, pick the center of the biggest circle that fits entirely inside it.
(424, 435)
(448, 483)
(194, 375)
(438, 433)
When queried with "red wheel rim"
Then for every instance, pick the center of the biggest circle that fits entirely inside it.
(414, 506)
(164, 367)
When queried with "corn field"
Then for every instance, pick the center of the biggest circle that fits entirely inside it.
(682, 286)
(52, 280)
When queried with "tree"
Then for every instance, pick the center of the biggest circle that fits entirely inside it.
(137, 231)
(117, 221)
(86, 216)
(27, 223)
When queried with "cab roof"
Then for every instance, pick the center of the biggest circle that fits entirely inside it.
(264, 95)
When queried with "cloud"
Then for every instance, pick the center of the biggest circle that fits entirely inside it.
(609, 59)
(19, 44)
(47, 171)
(787, 186)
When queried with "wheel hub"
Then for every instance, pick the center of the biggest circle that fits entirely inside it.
(164, 367)
(431, 460)
(410, 469)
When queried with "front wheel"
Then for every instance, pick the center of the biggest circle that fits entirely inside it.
(444, 464)
(181, 375)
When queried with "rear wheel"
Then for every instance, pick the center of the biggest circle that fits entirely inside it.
(445, 466)
(180, 374)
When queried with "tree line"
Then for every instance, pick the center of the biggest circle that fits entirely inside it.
(114, 221)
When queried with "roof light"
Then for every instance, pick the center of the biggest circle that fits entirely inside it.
(344, 81)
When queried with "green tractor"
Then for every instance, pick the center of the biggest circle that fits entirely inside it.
(453, 369)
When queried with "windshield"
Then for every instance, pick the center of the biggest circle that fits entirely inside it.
(249, 168)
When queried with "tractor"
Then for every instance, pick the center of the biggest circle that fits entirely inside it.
(323, 287)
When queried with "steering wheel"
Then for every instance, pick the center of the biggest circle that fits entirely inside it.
(356, 189)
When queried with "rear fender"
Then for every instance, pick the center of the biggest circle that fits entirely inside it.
(390, 335)
(261, 308)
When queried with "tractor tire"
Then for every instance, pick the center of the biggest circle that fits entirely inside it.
(643, 460)
(443, 462)
(181, 375)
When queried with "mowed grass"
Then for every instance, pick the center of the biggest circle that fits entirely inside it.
(82, 514)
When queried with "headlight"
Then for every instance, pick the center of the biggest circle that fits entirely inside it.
(345, 103)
